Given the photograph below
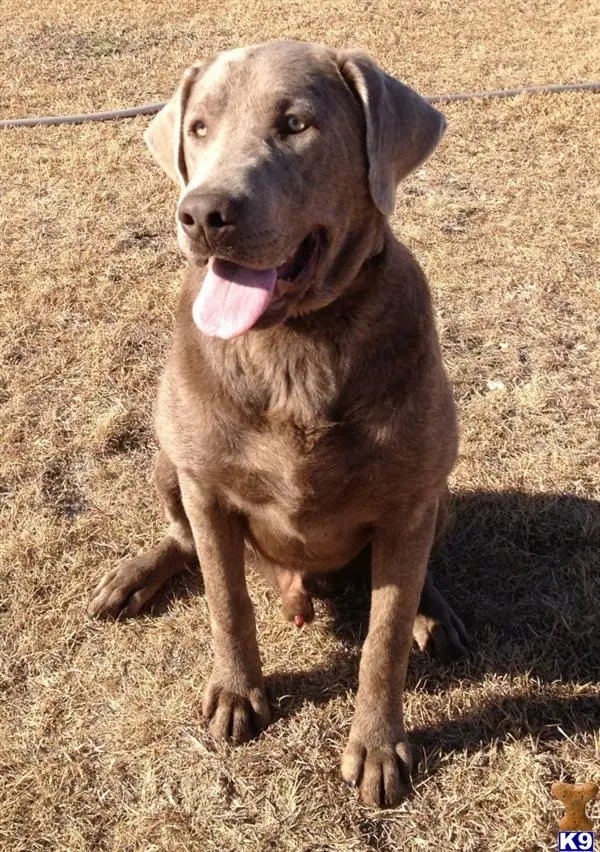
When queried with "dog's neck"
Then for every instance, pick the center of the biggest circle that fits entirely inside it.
(283, 370)
(361, 245)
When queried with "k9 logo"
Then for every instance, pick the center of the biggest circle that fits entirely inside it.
(576, 840)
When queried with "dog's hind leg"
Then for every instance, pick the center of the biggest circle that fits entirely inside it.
(438, 629)
(126, 589)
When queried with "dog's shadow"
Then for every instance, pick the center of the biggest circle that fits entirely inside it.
(522, 571)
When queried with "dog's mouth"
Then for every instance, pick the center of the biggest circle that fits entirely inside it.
(233, 297)
(303, 258)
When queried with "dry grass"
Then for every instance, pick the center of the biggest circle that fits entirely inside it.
(102, 746)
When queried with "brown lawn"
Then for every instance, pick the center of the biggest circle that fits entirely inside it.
(102, 746)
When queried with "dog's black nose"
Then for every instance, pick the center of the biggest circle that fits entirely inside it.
(205, 214)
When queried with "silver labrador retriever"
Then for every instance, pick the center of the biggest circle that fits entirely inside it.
(304, 413)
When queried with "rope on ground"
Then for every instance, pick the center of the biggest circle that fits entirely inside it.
(151, 109)
(550, 88)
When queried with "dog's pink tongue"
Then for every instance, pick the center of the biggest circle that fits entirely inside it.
(232, 298)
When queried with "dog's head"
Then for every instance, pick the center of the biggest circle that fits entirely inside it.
(285, 153)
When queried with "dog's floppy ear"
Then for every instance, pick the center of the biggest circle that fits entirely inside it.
(402, 128)
(164, 134)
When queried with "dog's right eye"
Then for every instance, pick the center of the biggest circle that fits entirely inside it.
(198, 128)
(295, 124)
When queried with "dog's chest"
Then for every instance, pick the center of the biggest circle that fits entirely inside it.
(307, 494)
(294, 468)
(305, 452)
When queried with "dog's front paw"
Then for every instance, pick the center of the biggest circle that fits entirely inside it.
(235, 713)
(379, 765)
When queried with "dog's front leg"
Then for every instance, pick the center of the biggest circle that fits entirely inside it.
(235, 704)
(377, 757)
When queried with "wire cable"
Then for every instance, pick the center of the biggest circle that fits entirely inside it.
(151, 109)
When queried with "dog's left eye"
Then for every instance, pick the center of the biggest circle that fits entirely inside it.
(199, 128)
(295, 124)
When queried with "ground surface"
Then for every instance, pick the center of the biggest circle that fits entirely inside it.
(102, 746)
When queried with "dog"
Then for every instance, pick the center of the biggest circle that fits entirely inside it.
(304, 416)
